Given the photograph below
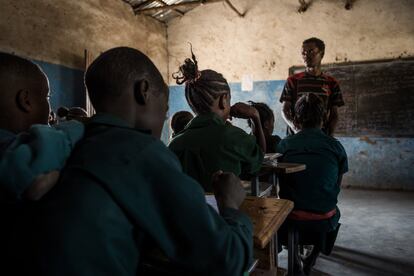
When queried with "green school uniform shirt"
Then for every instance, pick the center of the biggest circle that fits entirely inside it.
(208, 144)
(39, 150)
(123, 192)
(315, 189)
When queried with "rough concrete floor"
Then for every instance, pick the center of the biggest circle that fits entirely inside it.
(376, 236)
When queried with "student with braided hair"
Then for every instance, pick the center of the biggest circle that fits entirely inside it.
(208, 144)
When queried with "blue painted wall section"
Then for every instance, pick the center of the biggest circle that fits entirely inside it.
(374, 163)
(66, 85)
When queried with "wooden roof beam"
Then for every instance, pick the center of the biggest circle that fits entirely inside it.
(173, 6)
(235, 9)
(163, 4)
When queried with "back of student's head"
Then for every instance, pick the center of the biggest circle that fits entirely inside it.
(179, 120)
(309, 111)
(115, 73)
(267, 117)
(24, 93)
(202, 88)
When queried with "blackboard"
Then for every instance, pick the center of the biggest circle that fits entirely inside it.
(378, 95)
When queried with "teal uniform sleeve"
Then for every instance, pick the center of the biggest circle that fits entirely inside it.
(40, 150)
(175, 214)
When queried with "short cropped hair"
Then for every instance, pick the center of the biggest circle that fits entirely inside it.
(12, 65)
(318, 42)
(113, 71)
(309, 111)
(179, 120)
(265, 113)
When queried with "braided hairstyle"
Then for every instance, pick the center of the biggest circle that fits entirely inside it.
(265, 113)
(309, 111)
(202, 88)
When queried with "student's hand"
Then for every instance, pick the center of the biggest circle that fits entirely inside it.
(41, 185)
(243, 111)
(228, 190)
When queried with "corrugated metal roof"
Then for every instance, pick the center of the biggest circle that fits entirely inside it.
(139, 6)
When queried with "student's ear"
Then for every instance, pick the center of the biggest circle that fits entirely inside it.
(141, 88)
(322, 54)
(23, 100)
(223, 101)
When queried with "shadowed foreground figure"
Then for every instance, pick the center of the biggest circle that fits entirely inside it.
(31, 152)
(315, 190)
(123, 192)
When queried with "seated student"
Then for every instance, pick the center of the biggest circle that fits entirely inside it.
(31, 152)
(267, 118)
(123, 192)
(315, 190)
(179, 120)
(208, 144)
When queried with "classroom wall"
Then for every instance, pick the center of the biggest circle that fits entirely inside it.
(267, 41)
(56, 33)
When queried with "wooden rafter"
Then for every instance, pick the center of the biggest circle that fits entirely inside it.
(174, 6)
(163, 4)
(234, 9)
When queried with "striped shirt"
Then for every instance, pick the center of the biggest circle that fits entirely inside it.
(323, 85)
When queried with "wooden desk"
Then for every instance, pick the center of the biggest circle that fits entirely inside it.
(267, 215)
(272, 170)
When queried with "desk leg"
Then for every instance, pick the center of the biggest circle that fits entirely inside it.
(291, 250)
(276, 251)
(255, 186)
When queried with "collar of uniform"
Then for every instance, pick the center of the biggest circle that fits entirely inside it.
(112, 120)
(311, 130)
(206, 120)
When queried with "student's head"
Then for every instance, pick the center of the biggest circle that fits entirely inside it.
(309, 112)
(179, 120)
(24, 94)
(267, 118)
(313, 50)
(124, 82)
(206, 91)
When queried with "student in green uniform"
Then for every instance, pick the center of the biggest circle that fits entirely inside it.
(267, 118)
(315, 190)
(123, 192)
(31, 152)
(208, 144)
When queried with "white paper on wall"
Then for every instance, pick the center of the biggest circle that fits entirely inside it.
(247, 83)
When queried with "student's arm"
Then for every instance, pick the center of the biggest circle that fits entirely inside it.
(29, 166)
(288, 116)
(189, 231)
(332, 120)
(245, 111)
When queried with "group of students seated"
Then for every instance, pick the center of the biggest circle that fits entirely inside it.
(95, 197)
